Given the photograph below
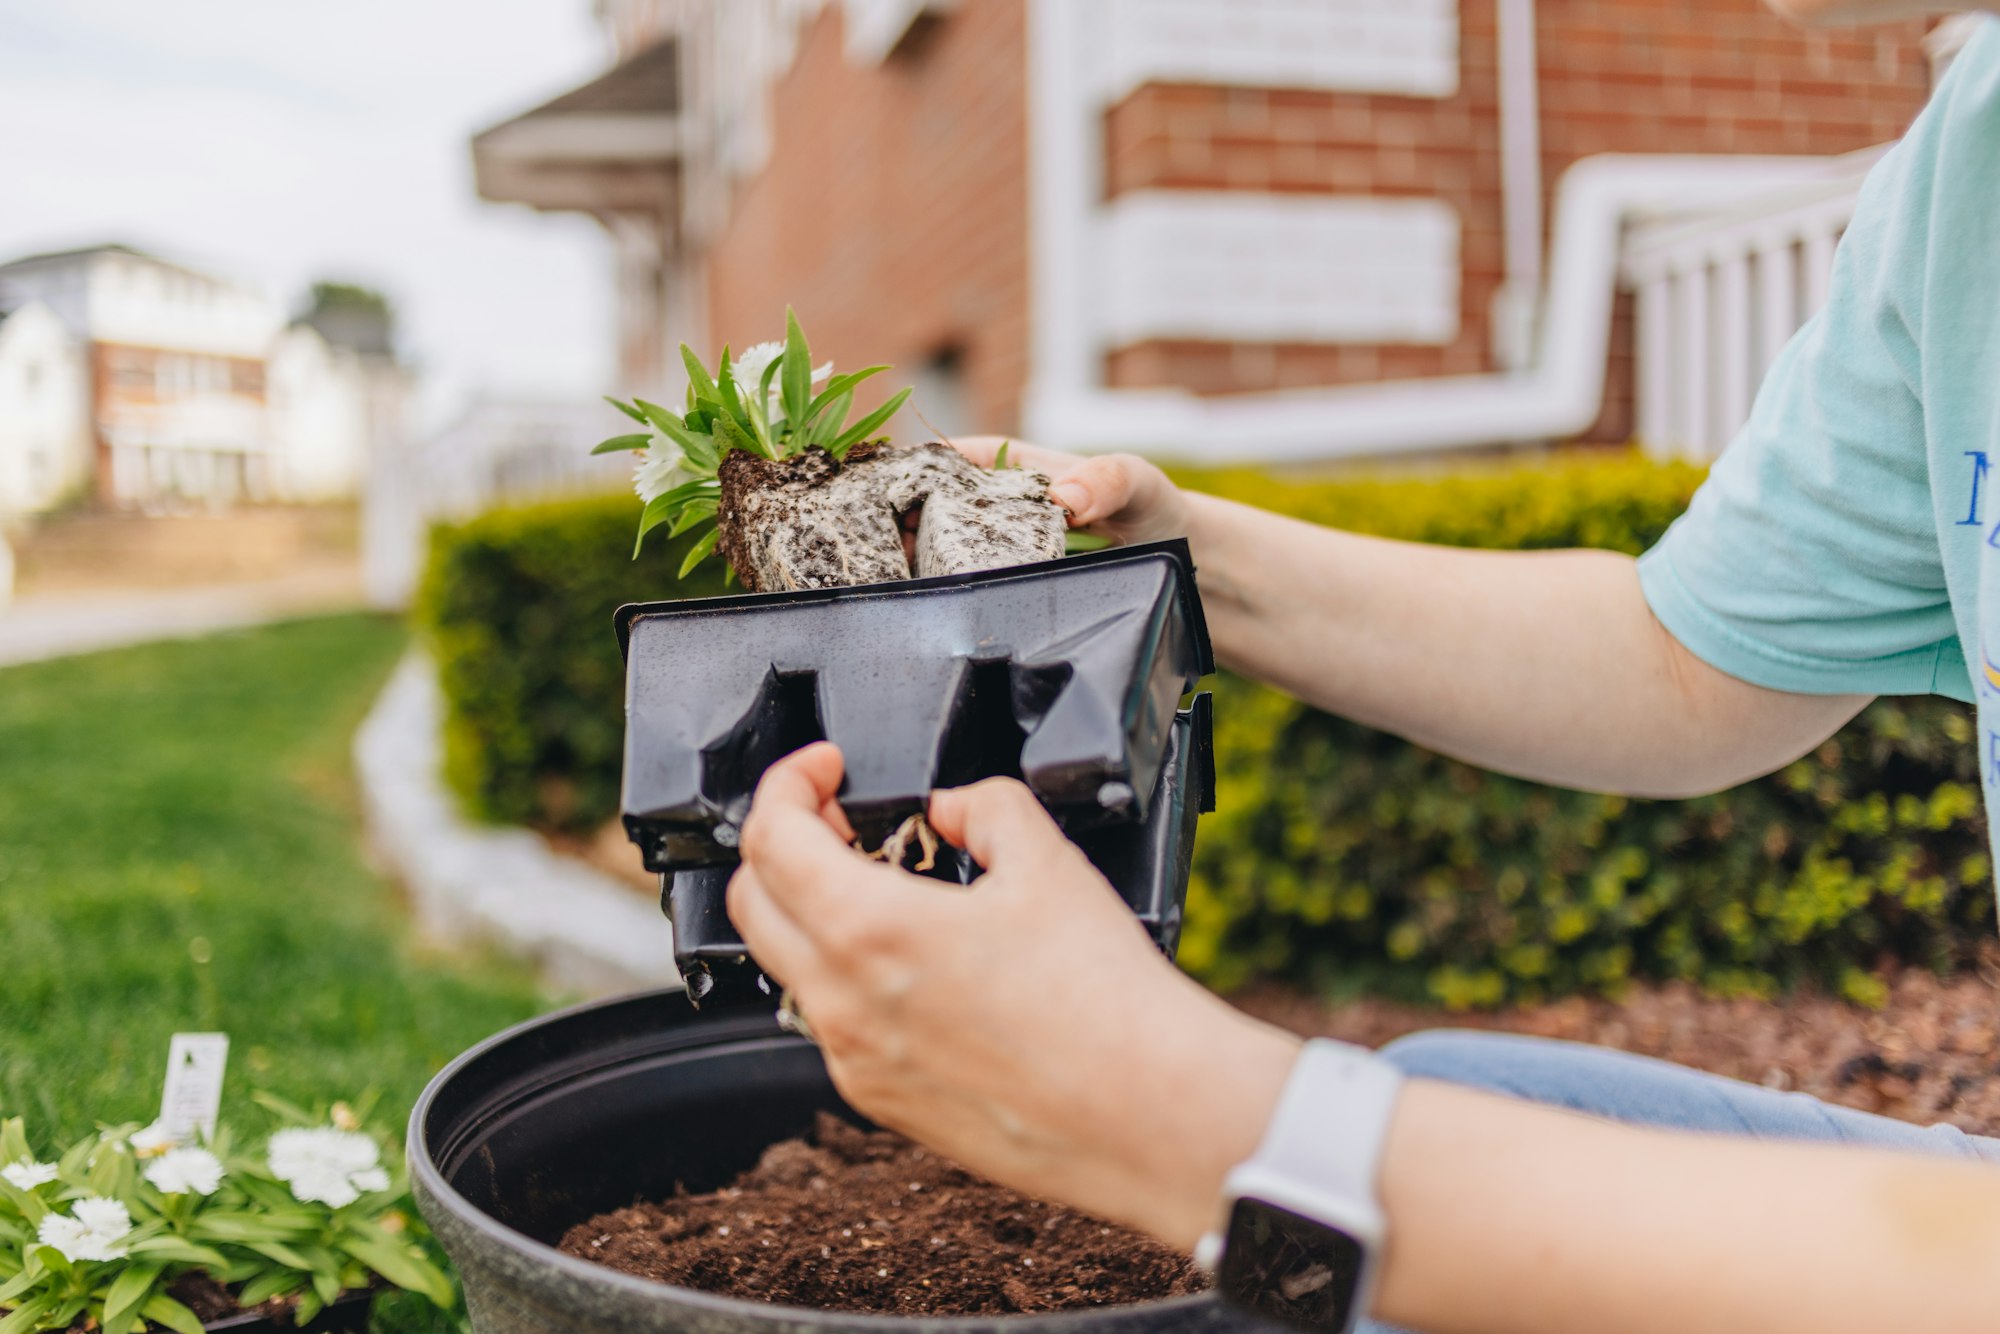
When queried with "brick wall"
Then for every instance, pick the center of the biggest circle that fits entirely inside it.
(893, 210)
(1638, 76)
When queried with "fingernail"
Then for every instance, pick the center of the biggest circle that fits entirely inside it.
(1071, 496)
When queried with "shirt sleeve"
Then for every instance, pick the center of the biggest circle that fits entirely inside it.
(1809, 559)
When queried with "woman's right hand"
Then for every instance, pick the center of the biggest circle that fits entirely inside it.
(1117, 496)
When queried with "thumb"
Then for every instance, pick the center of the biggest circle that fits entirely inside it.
(999, 822)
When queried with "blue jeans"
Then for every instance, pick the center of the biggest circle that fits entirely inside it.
(1637, 1089)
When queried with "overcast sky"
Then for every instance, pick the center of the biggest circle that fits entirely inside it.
(279, 141)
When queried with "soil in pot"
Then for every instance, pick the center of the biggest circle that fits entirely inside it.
(865, 1221)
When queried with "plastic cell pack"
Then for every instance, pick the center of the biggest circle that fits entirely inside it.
(1066, 674)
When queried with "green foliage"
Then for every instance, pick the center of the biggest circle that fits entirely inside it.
(1341, 857)
(517, 606)
(763, 404)
(252, 1223)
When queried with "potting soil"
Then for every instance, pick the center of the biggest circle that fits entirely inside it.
(866, 1221)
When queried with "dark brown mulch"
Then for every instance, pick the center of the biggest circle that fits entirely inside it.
(867, 1221)
(1932, 1054)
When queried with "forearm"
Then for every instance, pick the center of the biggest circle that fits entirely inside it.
(1509, 1217)
(1548, 665)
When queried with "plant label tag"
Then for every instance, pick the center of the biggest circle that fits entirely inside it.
(193, 1095)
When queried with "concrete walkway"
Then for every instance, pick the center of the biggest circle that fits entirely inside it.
(586, 932)
(59, 625)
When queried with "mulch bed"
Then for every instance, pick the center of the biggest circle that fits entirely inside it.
(1931, 1055)
(866, 1221)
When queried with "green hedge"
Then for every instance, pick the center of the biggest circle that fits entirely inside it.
(1342, 858)
(517, 605)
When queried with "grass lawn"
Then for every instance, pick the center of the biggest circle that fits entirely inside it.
(179, 849)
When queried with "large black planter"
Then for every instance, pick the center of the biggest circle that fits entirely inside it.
(567, 1116)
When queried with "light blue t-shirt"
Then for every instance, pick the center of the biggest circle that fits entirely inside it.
(1848, 541)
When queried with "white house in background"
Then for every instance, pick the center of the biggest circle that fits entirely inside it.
(45, 438)
(194, 388)
(318, 397)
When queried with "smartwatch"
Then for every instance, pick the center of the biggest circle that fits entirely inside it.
(1301, 1232)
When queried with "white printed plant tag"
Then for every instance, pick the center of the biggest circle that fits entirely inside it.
(193, 1095)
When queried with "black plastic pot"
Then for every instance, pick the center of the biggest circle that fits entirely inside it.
(1066, 674)
(567, 1116)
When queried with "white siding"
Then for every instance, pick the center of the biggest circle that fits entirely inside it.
(1265, 268)
(1407, 47)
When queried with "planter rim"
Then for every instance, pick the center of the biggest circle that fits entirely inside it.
(424, 1172)
(1175, 549)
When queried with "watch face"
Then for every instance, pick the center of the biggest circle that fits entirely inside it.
(1291, 1268)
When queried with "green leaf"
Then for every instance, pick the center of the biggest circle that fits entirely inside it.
(737, 438)
(797, 361)
(620, 443)
(699, 552)
(283, 1254)
(309, 1306)
(164, 1310)
(54, 1261)
(28, 1204)
(291, 1111)
(28, 1316)
(399, 1264)
(326, 1285)
(861, 430)
(241, 1227)
(691, 514)
(128, 1293)
(14, 1141)
(70, 1166)
(658, 510)
(703, 453)
(699, 380)
(737, 421)
(636, 416)
(271, 1283)
(826, 428)
(1000, 458)
(180, 1251)
(21, 1282)
(667, 424)
(838, 386)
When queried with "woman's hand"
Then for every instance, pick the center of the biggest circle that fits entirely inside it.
(1118, 496)
(1026, 1027)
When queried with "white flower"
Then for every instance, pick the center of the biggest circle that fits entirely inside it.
(28, 1174)
(153, 1141)
(748, 371)
(660, 469)
(91, 1232)
(186, 1172)
(327, 1164)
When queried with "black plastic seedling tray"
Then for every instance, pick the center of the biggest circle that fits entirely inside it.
(1066, 674)
(1147, 863)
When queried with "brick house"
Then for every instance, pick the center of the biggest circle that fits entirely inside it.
(171, 388)
(1287, 229)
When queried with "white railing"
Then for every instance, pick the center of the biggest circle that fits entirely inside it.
(500, 451)
(1719, 293)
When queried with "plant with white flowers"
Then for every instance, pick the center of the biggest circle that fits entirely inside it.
(770, 403)
(109, 1231)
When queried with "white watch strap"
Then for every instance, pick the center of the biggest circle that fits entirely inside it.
(1328, 1128)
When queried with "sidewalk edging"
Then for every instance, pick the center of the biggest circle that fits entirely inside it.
(586, 932)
